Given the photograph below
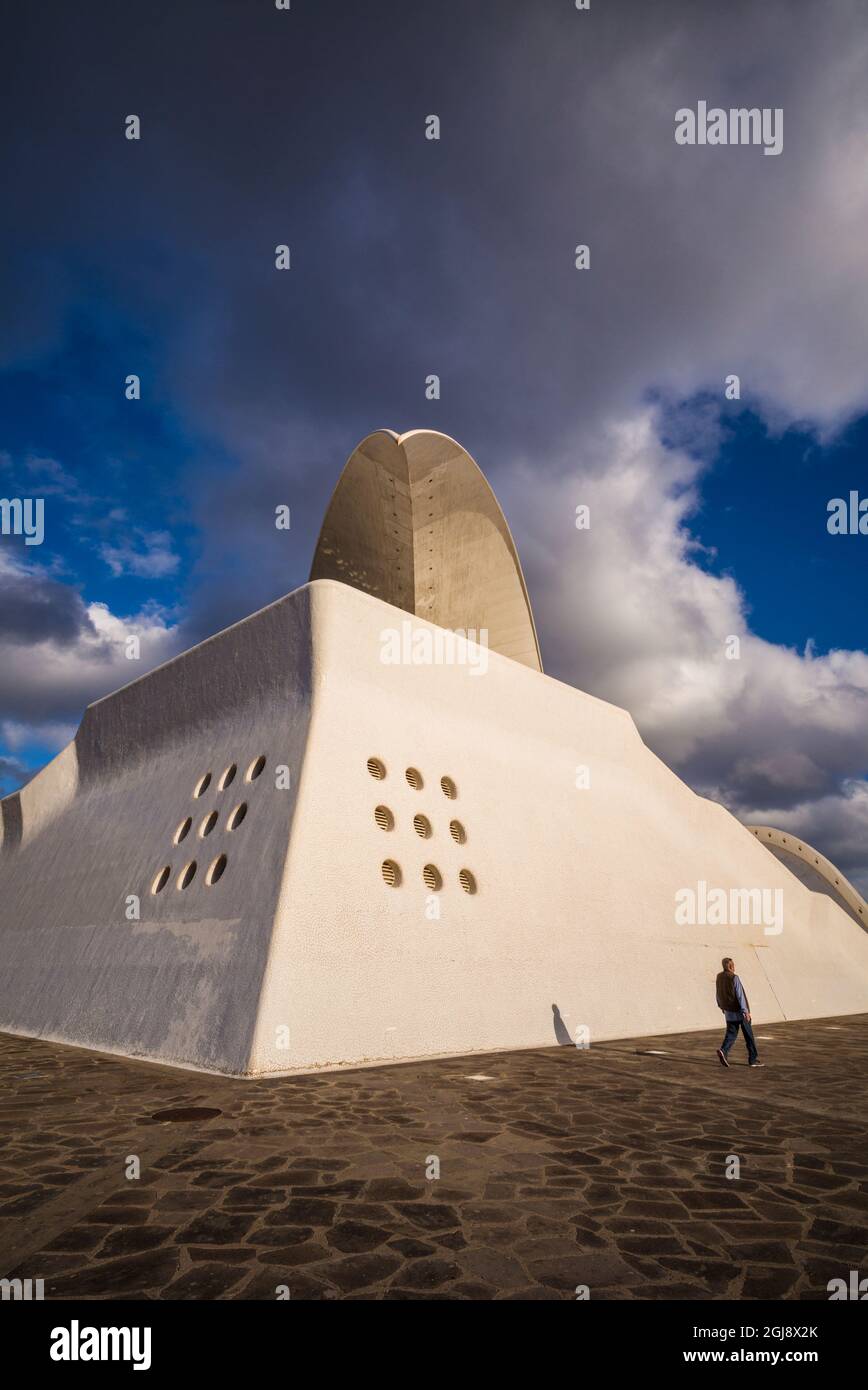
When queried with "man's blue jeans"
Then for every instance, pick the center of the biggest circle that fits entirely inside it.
(732, 1033)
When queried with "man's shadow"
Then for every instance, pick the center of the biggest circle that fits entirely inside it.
(562, 1032)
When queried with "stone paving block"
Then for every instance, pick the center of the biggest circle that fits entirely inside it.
(602, 1168)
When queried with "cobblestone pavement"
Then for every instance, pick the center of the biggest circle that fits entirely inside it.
(558, 1168)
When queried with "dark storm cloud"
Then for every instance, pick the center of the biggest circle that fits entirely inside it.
(411, 256)
(453, 257)
(37, 608)
(456, 258)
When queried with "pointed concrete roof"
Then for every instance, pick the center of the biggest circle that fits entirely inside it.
(414, 522)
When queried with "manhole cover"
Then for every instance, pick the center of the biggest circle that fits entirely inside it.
(190, 1112)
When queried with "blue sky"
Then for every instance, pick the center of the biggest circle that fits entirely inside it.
(409, 257)
(764, 515)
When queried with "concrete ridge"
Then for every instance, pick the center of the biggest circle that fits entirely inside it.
(455, 564)
(800, 849)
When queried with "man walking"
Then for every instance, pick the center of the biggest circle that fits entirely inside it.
(736, 1010)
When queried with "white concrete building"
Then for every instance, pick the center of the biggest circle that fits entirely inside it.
(286, 850)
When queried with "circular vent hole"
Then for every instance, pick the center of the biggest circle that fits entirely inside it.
(216, 870)
(414, 777)
(187, 874)
(228, 776)
(183, 830)
(422, 826)
(237, 816)
(384, 818)
(432, 877)
(376, 769)
(203, 784)
(161, 880)
(448, 788)
(467, 881)
(391, 873)
(208, 824)
(457, 831)
(255, 769)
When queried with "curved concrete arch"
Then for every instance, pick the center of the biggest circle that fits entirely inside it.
(816, 864)
(414, 522)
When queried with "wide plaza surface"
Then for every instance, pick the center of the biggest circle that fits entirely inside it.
(558, 1168)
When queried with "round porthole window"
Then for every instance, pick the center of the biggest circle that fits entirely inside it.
(183, 830)
(384, 818)
(376, 769)
(422, 826)
(432, 878)
(414, 777)
(391, 873)
(457, 831)
(161, 880)
(448, 788)
(216, 870)
(467, 881)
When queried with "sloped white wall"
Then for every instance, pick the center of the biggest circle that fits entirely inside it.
(576, 900)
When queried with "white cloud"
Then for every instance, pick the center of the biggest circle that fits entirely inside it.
(705, 261)
(628, 614)
(147, 555)
(51, 734)
(76, 652)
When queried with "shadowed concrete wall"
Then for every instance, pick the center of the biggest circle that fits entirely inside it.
(182, 984)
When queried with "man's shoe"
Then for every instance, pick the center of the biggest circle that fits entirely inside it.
(722, 1057)
(756, 1064)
